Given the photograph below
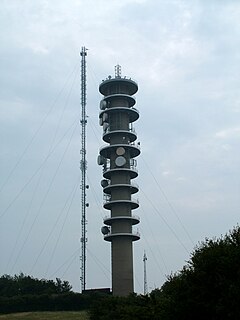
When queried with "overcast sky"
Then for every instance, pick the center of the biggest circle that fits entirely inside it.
(185, 56)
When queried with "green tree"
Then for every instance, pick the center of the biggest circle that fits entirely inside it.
(62, 286)
(22, 284)
(208, 286)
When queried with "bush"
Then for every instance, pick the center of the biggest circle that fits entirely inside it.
(54, 302)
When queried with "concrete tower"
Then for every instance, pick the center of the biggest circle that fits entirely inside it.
(119, 168)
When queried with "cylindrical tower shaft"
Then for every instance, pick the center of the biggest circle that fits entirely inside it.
(119, 168)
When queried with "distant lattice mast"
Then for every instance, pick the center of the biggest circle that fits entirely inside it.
(83, 167)
(145, 286)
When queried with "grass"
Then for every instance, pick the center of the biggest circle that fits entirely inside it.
(62, 315)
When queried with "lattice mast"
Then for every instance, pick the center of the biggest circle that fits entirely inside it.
(145, 286)
(83, 167)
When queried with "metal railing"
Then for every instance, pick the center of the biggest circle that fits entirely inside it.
(130, 185)
(132, 144)
(109, 130)
(134, 233)
(133, 217)
(107, 198)
(132, 165)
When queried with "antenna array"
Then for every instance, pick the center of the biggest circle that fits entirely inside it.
(83, 167)
(145, 287)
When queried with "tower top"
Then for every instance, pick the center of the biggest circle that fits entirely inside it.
(83, 51)
(118, 71)
(144, 257)
(126, 84)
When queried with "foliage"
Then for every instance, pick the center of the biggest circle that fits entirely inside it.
(21, 293)
(207, 287)
(55, 302)
(22, 285)
(63, 315)
(121, 308)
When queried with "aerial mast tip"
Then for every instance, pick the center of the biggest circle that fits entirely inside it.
(83, 51)
(118, 71)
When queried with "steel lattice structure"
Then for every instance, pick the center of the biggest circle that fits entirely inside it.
(83, 167)
(145, 286)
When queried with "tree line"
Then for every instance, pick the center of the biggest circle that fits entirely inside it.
(22, 284)
(22, 293)
(207, 287)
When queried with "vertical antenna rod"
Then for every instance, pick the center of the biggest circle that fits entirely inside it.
(145, 288)
(83, 167)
